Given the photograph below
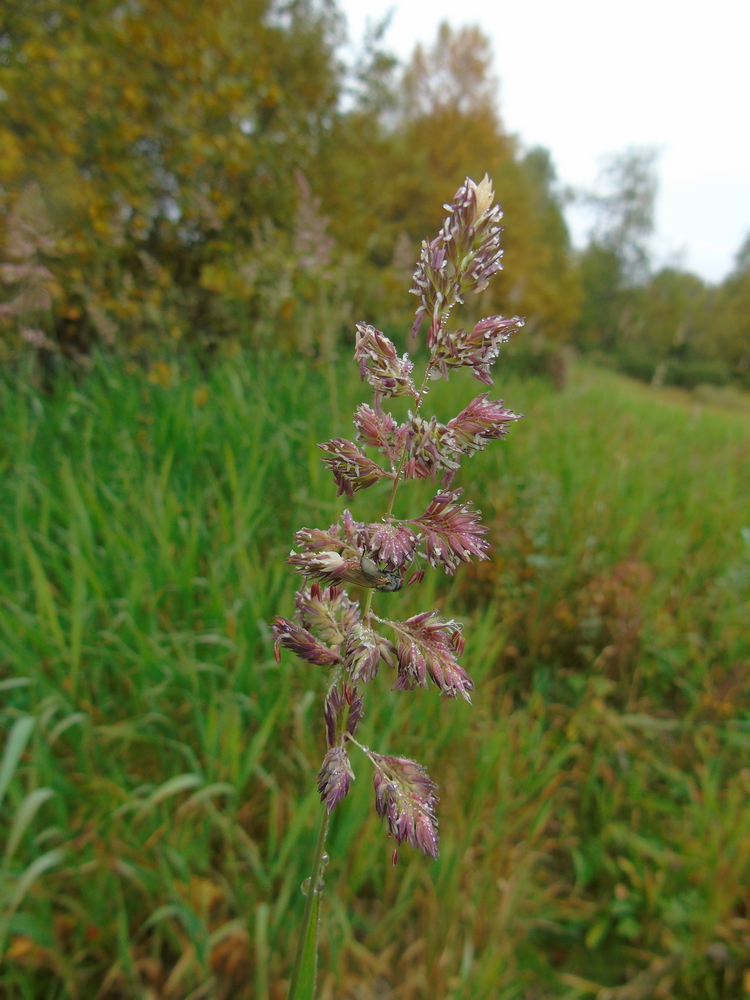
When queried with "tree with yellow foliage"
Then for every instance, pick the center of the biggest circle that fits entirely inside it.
(161, 133)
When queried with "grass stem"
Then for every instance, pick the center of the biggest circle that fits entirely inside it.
(312, 891)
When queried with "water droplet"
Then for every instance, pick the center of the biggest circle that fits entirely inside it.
(324, 860)
(305, 887)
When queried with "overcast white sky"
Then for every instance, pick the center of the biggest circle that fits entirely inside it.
(590, 77)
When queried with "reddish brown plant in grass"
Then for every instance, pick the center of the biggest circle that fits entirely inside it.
(332, 630)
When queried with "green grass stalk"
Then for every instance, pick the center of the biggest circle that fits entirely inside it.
(307, 946)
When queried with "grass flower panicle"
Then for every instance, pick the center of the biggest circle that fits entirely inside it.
(333, 630)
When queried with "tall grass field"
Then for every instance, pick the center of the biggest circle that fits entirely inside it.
(157, 767)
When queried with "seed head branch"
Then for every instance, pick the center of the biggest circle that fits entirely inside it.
(332, 630)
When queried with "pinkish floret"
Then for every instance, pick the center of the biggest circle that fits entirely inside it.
(362, 652)
(463, 257)
(451, 533)
(343, 710)
(482, 421)
(427, 644)
(405, 796)
(377, 429)
(303, 644)
(428, 449)
(326, 567)
(477, 349)
(379, 363)
(391, 542)
(327, 613)
(352, 469)
(335, 777)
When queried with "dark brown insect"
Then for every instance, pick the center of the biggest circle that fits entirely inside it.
(384, 580)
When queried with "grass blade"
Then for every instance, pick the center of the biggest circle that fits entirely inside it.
(23, 816)
(15, 746)
(305, 989)
(22, 886)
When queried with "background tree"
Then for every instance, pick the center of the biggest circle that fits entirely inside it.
(167, 141)
(668, 314)
(668, 326)
(625, 209)
(432, 123)
(617, 257)
(161, 134)
(726, 329)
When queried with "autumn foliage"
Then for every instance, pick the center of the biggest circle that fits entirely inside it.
(163, 137)
(197, 178)
(210, 176)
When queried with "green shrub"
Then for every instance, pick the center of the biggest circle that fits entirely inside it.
(689, 374)
(536, 357)
(636, 365)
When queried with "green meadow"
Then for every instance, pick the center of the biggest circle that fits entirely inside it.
(157, 784)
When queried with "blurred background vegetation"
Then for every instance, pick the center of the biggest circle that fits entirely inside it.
(206, 176)
(197, 203)
(209, 175)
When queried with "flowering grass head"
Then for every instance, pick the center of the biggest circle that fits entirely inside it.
(342, 633)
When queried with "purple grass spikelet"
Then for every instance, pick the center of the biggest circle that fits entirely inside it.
(379, 363)
(352, 469)
(463, 257)
(362, 653)
(326, 612)
(303, 644)
(342, 711)
(482, 421)
(391, 542)
(451, 532)
(335, 777)
(405, 798)
(427, 646)
(476, 349)
(378, 429)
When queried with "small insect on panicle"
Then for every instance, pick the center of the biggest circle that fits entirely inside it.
(384, 580)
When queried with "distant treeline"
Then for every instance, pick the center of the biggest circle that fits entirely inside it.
(209, 175)
(666, 326)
